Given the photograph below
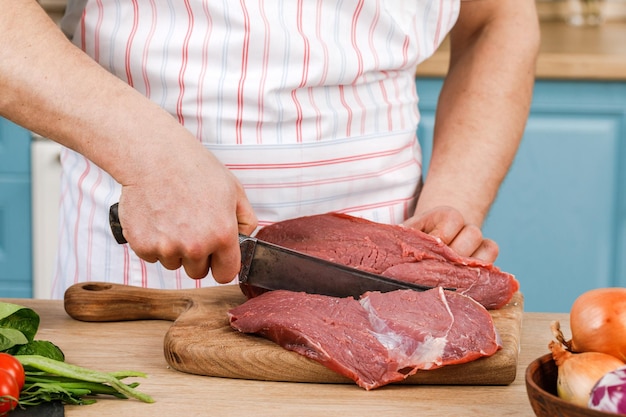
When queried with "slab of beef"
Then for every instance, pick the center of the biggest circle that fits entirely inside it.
(380, 339)
(394, 251)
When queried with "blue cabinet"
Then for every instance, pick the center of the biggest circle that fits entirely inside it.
(560, 216)
(15, 209)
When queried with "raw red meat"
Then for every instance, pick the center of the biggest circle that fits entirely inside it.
(433, 328)
(332, 331)
(382, 338)
(393, 251)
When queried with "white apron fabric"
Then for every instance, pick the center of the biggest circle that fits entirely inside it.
(311, 104)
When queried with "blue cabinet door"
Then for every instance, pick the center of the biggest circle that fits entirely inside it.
(15, 218)
(559, 217)
(14, 149)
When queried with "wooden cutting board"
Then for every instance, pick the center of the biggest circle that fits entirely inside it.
(201, 341)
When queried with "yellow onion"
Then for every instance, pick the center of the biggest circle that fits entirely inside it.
(598, 322)
(578, 373)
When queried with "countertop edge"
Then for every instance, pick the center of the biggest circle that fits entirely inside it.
(549, 66)
(566, 53)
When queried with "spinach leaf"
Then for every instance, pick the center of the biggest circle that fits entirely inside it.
(16, 317)
(41, 348)
(18, 326)
(10, 338)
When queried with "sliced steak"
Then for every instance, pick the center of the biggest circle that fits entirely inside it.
(394, 251)
(332, 331)
(430, 329)
(382, 338)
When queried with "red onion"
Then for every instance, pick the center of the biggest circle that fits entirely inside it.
(609, 393)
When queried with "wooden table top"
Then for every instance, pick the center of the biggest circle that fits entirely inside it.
(139, 346)
(566, 52)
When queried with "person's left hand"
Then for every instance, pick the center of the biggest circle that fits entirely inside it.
(448, 224)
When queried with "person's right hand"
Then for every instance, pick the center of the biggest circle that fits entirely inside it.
(179, 204)
(188, 212)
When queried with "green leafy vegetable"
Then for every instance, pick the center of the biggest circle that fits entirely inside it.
(41, 348)
(10, 338)
(68, 382)
(14, 318)
(48, 376)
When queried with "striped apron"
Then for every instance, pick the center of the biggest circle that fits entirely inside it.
(311, 104)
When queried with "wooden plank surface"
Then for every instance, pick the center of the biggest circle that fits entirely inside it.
(138, 345)
(566, 52)
(201, 341)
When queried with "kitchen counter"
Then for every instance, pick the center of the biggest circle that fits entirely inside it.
(139, 346)
(566, 52)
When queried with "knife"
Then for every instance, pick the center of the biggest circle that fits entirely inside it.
(273, 267)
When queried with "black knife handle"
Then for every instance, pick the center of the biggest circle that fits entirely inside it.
(116, 226)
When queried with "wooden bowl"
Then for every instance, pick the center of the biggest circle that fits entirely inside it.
(541, 377)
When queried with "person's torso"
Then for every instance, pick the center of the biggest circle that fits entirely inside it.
(271, 72)
(312, 105)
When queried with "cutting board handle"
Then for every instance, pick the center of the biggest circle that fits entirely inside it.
(103, 301)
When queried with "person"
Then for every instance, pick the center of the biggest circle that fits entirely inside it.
(212, 118)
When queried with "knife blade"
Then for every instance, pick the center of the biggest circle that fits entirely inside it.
(273, 267)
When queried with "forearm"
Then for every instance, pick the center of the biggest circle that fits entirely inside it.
(51, 87)
(482, 112)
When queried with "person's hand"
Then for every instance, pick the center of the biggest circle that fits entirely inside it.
(188, 212)
(179, 204)
(448, 224)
